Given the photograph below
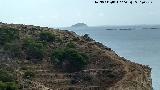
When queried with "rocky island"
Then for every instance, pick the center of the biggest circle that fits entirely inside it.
(79, 25)
(42, 58)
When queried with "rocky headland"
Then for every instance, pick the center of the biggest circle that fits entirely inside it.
(42, 58)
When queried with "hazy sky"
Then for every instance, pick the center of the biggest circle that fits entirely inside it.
(56, 13)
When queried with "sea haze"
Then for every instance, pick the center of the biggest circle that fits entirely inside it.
(139, 44)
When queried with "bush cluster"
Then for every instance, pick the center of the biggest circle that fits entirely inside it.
(69, 59)
(13, 49)
(8, 86)
(8, 35)
(7, 81)
(47, 37)
(6, 76)
(33, 49)
(71, 45)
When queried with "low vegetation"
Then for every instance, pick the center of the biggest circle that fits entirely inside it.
(71, 45)
(7, 81)
(33, 49)
(69, 59)
(47, 37)
(6, 76)
(8, 86)
(13, 49)
(8, 35)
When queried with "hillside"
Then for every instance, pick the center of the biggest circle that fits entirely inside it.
(42, 58)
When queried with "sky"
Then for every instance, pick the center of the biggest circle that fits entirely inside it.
(62, 13)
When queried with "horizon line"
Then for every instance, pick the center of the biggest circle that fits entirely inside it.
(84, 23)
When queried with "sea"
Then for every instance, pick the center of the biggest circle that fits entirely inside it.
(138, 43)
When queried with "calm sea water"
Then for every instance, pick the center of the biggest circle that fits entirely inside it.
(139, 44)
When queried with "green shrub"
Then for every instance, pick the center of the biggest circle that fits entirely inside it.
(57, 56)
(69, 60)
(34, 49)
(47, 36)
(13, 49)
(8, 86)
(6, 76)
(71, 45)
(2, 86)
(8, 35)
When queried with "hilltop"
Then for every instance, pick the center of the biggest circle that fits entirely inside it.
(42, 58)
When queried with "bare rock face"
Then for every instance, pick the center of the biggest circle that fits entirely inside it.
(105, 70)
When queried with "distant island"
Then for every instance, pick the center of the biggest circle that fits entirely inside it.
(151, 28)
(120, 29)
(80, 25)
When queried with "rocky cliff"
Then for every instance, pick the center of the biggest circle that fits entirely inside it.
(104, 69)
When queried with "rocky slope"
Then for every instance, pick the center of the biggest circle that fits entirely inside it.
(105, 70)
